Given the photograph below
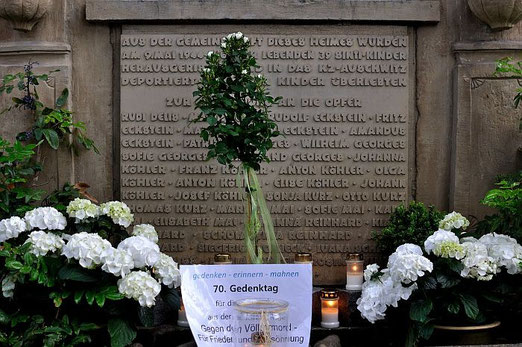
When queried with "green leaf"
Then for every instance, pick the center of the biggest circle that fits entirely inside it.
(171, 298)
(146, 315)
(211, 120)
(470, 305)
(426, 330)
(75, 273)
(419, 310)
(62, 99)
(4, 317)
(121, 332)
(100, 299)
(52, 138)
(89, 296)
(78, 296)
(454, 308)
(14, 265)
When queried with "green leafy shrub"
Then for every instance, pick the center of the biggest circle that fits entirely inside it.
(412, 224)
(57, 297)
(507, 199)
(234, 104)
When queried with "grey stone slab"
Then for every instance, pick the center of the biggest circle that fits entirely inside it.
(274, 10)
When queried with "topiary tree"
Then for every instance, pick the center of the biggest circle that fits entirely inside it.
(234, 103)
(408, 224)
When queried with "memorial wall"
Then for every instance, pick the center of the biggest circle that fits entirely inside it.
(339, 168)
(383, 102)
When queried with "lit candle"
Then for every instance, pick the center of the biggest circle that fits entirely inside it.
(182, 316)
(303, 258)
(222, 259)
(354, 272)
(329, 309)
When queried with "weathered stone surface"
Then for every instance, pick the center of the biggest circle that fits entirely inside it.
(386, 11)
(486, 129)
(340, 169)
(50, 56)
(23, 14)
(498, 14)
(330, 341)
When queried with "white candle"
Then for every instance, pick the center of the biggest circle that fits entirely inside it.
(354, 281)
(182, 318)
(354, 272)
(330, 317)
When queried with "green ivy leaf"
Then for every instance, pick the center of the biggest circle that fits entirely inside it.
(62, 99)
(121, 332)
(52, 138)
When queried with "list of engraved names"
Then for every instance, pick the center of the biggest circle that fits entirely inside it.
(338, 171)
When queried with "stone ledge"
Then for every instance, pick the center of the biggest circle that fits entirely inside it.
(270, 10)
(24, 47)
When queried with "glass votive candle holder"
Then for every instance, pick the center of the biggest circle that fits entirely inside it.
(182, 316)
(329, 308)
(269, 319)
(354, 271)
(303, 258)
(222, 259)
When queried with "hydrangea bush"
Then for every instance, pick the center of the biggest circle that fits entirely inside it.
(88, 267)
(451, 279)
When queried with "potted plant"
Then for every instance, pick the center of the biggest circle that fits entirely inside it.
(80, 277)
(452, 280)
(234, 104)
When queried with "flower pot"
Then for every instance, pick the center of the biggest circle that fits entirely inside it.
(498, 14)
(23, 14)
(464, 335)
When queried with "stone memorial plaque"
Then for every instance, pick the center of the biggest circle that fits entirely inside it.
(341, 167)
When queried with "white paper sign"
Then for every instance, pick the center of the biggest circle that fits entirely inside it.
(248, 305)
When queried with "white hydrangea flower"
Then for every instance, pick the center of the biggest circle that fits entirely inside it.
(454, 220)
(88, 248)
(119, 212)
(380, 293)
(370, 270)
(143, 251)
(477, 263)
(372, 302)
(43, 243)
(406, 265)
(504, 250)
(82, 209)
(209, 54)
(223, 45)
(445, 244)
(239, 35)
(8, 286)
(245, 39)
(146, 230)
(10, 228)
(118, 263)
(228, 37)
(167, 272)
(140, 286)
(45, 218)
(244, 72)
